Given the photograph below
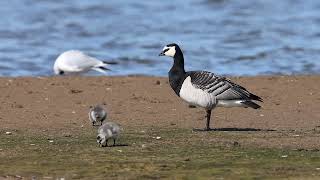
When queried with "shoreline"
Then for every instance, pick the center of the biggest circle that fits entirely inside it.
(59, 105)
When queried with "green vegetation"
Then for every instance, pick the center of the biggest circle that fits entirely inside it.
(179, 153)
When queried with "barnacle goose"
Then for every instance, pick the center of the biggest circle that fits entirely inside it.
(205, 89)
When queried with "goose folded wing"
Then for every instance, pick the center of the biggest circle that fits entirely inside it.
(221, 87)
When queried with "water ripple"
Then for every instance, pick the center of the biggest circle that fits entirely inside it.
(227, 37)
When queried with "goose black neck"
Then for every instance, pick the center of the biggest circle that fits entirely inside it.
(177, 73)
(178, 64)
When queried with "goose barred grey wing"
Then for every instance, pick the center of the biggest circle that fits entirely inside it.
(221, 87)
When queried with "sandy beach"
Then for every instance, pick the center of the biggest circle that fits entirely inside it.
(289, 118)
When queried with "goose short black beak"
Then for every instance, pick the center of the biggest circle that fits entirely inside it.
(161, 54)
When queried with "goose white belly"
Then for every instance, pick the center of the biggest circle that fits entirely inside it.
(196, 96)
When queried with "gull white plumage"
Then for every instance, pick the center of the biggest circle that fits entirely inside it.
(97, 115)
(205, 89)
(108, 130)
(75, 62)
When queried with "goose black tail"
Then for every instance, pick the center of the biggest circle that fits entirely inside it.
(255, 97)
(251, 104)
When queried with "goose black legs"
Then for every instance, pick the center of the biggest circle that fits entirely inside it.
(207, 128)
(208, 120)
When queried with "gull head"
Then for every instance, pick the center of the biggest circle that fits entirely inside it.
(56, 70)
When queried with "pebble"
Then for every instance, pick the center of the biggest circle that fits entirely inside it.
(51, 141)
(284, 156)
(158, 137)
(47, 177)
(8, 133)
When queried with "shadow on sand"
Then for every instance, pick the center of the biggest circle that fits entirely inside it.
(234, 129)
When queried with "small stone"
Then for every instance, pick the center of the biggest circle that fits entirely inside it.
(158, 137)
(119, 150)
(75, 91)
(192, 106)
(143, 146)
(67, 135)
(82, 126)
(47, 99)
(158, 82)
(19, 106)
(8, 133)
(47, 177)
(51, 141)
(284, 156)
(235, 143)
(261, 115)
(32, 144)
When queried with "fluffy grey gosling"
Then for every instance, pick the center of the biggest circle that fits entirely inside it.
(97, 115)
(108, 130)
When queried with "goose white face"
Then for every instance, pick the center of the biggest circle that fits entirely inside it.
(168, 51)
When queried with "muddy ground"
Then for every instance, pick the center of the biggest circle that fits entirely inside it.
(57, 107)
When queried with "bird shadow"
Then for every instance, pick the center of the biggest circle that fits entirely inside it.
(235, 129)
(117, 145)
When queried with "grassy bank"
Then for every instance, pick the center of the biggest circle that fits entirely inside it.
(179, 153)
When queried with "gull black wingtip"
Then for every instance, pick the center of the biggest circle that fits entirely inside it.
(161, 54)
(104, 68)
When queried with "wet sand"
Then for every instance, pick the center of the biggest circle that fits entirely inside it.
(289, 118)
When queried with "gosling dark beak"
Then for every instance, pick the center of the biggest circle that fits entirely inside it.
(161, 54)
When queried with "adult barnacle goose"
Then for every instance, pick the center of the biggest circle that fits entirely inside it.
(205, 89)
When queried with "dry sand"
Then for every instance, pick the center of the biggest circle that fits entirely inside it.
(59, 105)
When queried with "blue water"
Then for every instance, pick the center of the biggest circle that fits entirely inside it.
(230, 37)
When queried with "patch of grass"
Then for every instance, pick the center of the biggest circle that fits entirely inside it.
(179, 153)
